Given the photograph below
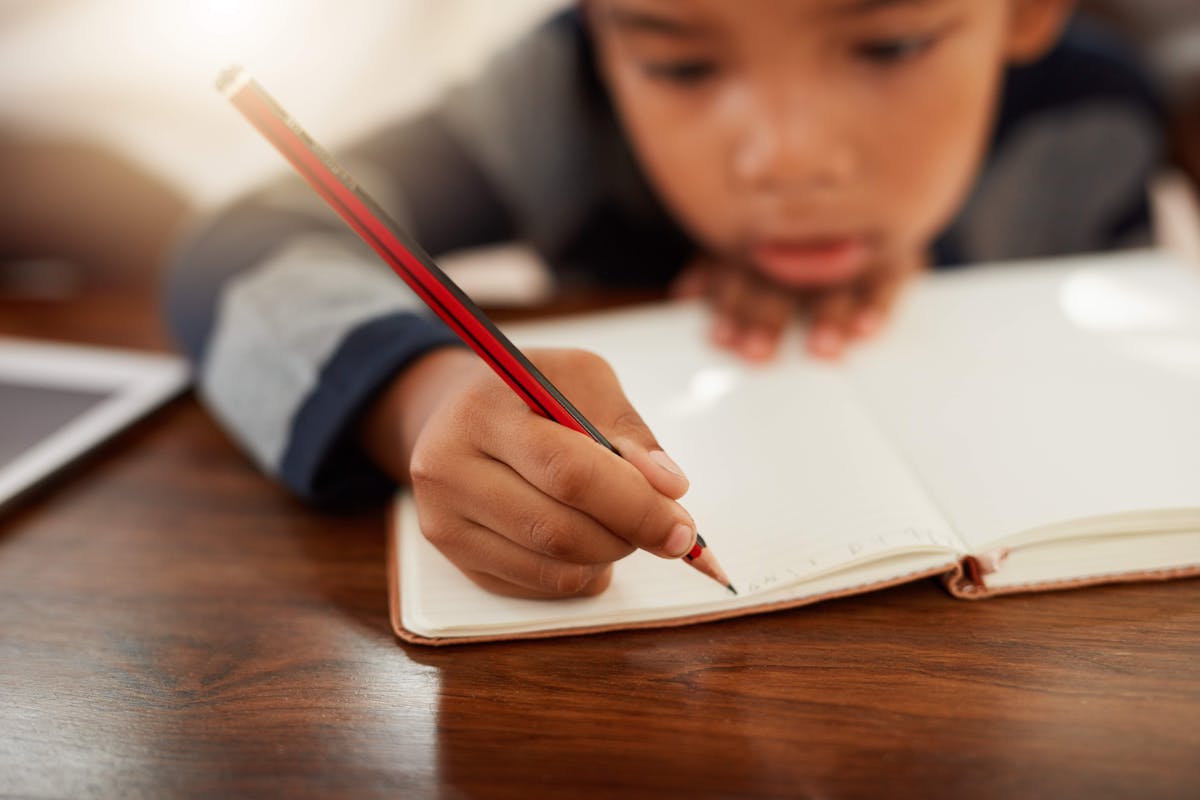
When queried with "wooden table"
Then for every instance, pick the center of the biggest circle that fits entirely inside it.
(171, 623)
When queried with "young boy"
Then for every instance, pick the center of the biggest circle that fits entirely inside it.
(772, 155)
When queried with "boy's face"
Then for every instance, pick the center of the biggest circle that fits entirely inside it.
(807, 138)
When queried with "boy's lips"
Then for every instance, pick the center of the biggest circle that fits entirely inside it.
(815, 261)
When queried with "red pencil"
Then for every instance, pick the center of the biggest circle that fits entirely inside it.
(417, 268)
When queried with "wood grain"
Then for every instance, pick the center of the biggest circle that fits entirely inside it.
(171, 623)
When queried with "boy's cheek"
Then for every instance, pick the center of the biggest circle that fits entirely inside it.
(920, 193)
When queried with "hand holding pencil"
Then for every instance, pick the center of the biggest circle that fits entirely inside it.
(520, 502)
(523, 506)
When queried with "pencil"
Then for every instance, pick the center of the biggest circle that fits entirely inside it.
(415, 267)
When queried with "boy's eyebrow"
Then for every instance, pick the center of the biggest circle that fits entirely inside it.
(647, 21)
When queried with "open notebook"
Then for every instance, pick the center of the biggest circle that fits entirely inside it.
(1019, 427)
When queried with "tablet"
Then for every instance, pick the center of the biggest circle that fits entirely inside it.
(57, 401)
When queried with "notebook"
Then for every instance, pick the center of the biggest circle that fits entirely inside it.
(60, 400)
(1018, 427)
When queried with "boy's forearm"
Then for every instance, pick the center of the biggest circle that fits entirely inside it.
(388, 431)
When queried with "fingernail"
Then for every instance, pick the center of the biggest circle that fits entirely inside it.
(664, 461)
(680, 541)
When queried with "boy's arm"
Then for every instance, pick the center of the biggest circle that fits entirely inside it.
(295, 327)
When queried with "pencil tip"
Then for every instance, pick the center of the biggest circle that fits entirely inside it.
(729, 586)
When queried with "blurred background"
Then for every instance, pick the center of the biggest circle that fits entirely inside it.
(111, 131)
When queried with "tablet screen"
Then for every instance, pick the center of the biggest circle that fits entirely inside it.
(32, 413)
(57, 401)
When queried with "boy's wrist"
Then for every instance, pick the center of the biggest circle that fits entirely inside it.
(389, 429)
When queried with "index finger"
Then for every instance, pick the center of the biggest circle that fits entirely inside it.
(578, 472)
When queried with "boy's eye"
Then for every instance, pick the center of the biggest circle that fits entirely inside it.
(894, 51)
(683, 73)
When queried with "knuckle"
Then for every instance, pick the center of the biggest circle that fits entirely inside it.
(599, 582)
(441, 527)
(424, 469)
(440, 533)
(586, 359)
(587, 366)
(548, 537)
(628, 426)
(565, 477)
(427, 467)
(629, 420)
(564, 580)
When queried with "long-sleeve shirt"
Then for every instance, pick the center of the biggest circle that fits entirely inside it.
(294, 326)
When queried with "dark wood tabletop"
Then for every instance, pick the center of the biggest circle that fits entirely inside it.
(171, 623)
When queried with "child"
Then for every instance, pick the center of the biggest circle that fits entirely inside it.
(773, 155)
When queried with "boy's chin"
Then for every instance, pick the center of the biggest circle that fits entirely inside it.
(812, 263)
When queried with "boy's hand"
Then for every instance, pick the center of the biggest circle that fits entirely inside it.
(522, 505)
(751, 312)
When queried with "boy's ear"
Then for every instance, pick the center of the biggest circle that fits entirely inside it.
(1034, 27)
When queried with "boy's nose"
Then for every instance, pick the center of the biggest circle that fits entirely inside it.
(792, 150)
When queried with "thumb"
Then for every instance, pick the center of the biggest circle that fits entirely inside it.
(637, 445)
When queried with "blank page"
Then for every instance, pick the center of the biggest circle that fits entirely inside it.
(1027, 395)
